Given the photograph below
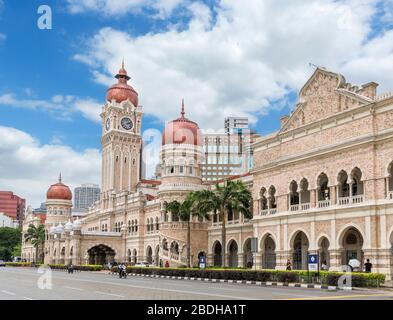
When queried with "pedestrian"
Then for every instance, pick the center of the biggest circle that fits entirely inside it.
(166, 264)
(289, 265)
(368, 265)
(324, 266)
(160, 263)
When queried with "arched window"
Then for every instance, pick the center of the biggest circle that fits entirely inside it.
(293, 193)
(343, 186)
(357, 184)
(323, 189)
(263, 204)
(272, 198)
(304, 192)
(157, 224)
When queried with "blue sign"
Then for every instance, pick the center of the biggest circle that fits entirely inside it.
(313, 262)
(202, 262)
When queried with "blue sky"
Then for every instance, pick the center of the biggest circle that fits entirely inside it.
(224, 58)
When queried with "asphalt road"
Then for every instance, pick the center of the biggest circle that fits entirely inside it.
(25, 283)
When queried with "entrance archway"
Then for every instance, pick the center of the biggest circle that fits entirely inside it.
(247, 254)
(101, 254)
(157, 255)
(352, 245)
(300, 251)
(233, 258)
(149, 255)
(268, 253)
(323, 246)
(217, 251)
(134, 256)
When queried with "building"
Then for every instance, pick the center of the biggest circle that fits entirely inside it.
(236, 124)
(86, 195)
(12, 205)
(6, 221)
(32, 217)
(230, 153)
(322, 184)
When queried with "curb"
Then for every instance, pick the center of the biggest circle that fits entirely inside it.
(257, 283)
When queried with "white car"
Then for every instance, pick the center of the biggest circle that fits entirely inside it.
(142, 264)
(2, 263)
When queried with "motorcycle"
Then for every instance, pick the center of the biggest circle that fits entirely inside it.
(122, 274)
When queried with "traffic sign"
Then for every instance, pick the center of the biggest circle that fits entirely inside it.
(313, 262)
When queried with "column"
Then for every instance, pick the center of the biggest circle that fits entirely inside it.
(257, 260)
(240, 260)
(313, 198)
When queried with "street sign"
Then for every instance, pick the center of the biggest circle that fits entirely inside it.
(254, 245)
(313, 262)
(202, 262)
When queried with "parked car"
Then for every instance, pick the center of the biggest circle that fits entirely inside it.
(142, 264)
(2, 263)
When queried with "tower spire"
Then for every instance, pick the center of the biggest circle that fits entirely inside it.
(60, 177)
(182, 108)
(122, 63)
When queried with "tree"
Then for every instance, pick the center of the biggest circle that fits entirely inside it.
(36, 235)
(9, 238)
(185, 211)
(230, 198)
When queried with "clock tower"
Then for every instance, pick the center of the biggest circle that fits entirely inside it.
(121, 137)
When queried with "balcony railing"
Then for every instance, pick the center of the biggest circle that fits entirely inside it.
(305, 206)
(344, 201)
(324, 203)
(233, 221)
(266, 212)
(294, 207)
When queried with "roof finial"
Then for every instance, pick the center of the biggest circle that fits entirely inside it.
(122, 63)
(182, 108)
(60, 177)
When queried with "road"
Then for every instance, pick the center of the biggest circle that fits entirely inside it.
(22, 284)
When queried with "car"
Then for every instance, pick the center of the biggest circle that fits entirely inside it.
(2, 263)
(142, 264)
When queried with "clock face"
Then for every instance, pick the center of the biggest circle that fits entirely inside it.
(126, 123)
(107, 124)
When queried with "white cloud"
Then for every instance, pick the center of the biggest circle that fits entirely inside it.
(162, 8)
(28, 168)
(59, 106)
(253, 53)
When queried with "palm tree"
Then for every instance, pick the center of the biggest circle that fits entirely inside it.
(223, 200)
(36, 235)
(185, 211)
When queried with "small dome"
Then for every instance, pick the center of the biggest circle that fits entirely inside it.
(52, 229)
(59, 191)
(77, 225)
(68, 226)
(182, 131)
(59, 228)
(121, 91)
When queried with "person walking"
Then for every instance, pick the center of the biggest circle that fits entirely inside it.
(368, 266)
(324, 266)
(289, 265)
(166, 264)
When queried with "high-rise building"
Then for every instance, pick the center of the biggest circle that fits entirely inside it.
(86, 195)
(236, 124)
(12, 205)
(230, 153)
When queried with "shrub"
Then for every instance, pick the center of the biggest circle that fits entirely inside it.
(18, 264)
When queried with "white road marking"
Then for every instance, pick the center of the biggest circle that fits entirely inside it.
(8, 292)
(27, 298)
(72, 288)
(109, 294)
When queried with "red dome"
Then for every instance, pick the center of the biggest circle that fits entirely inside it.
(121, 91)
(59, 191)
(182, 131)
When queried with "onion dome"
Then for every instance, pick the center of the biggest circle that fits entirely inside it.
(121, 91)
(52, 229)
(77, 225)
(59, 228)
(182, 131)
(59, 191)
(68, 226)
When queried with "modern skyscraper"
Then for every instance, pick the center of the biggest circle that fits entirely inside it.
(12, 205)
(86, 195)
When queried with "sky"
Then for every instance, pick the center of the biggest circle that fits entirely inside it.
(225, 58)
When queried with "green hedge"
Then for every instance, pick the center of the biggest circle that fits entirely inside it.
(325, 277)
(89, 267)
(18, 264)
